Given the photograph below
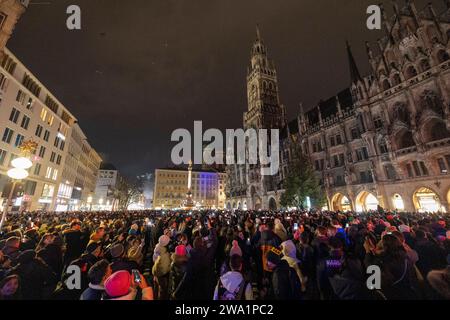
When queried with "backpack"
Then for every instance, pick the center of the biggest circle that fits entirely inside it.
(238, 294)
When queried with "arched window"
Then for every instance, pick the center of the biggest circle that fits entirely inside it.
(386, 85)
(405, 140)
(442, 56)
(429, 100)
(396, 79)
(424, 64)
(411, 72)
(383, 147)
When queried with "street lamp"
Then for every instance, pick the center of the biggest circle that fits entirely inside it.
(17, 173)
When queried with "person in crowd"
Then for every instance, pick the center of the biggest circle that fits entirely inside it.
(97, 274)
(12, 248)
(98, 235)
(431, 255)
(10, 288)
(398, 276)
(37, 279)
(285, 284)
(232, 285)
(51, 252)
(204, 254)
(179, 277)
(119, 260)
(290, 255)
(161, 268)
(75, 242)
(122, 286)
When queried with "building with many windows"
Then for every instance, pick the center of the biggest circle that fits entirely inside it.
(28, 110)
(382, 141)
(109, 180)
(171, 187)
(385, 141)
(80, 173)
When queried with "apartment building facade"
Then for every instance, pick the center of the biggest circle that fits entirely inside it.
(171, 187)
(28, 110)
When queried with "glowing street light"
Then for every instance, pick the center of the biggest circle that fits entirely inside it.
(16, 174)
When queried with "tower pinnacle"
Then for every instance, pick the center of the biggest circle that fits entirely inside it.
(355, 76)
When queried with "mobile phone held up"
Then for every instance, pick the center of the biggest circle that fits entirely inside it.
(136, 276)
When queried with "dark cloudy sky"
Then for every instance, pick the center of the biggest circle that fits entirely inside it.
(139, 69)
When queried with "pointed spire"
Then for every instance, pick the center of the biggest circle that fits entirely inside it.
(258, 34)
(396, 9)
(354, 72)
(386, 22)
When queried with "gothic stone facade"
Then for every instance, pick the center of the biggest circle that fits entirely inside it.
(246, 187)
(389, 144)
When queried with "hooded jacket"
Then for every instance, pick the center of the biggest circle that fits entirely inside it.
(231, 282)
(179, 278)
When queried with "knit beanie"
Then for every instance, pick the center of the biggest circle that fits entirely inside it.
(235, 249)
(181, 251)
(117, 250)
(164, 240)
(118, 284)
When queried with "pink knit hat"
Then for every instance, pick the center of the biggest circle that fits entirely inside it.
(181, 250)
(235, 249)
(118, 284)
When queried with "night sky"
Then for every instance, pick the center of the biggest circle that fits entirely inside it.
(139, 69)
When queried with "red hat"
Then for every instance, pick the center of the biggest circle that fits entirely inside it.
(181, 250)
(118, 284)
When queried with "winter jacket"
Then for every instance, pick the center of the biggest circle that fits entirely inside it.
(53, 256)
(161, 267)
(94, 292)
(431, 256)
(231, 281)
(285, 283)
(75, 244)
(179, 278)
(37, 279)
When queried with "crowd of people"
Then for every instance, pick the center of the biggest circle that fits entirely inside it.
(225, 255)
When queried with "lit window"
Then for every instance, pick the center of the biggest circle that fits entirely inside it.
(48, 174)
(43, 114)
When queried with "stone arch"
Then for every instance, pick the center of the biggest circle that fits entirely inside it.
(410, 72)
(244, 206)
(424, 64)
(430, 100)
(340, 202)
(272, 204)
(256, 199)
(442, 56)
(426, 200)
(385, 84)
(434, 129)
(234, 205)
(401, 113)
(396, 79)
(366, 201)
(229, 206)
(404, 139)
(397, 202)
(239, 206)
